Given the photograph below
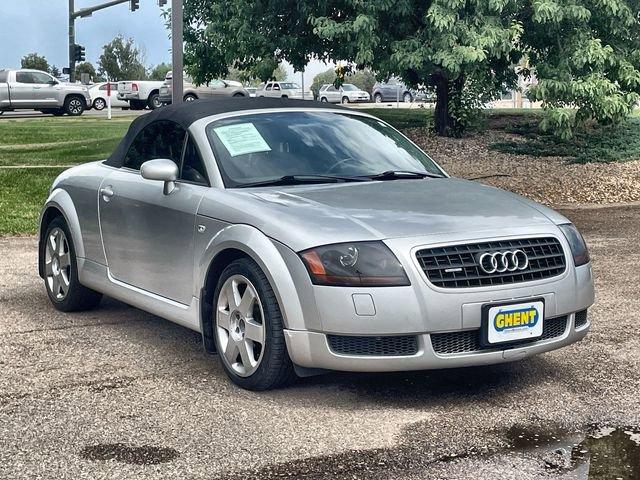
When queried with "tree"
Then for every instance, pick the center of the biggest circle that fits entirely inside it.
(159, 72)
(122, 60)
(35, 61)
(54, 71)
(86, 67)
(248, 77)
(585, 56)
(466, 50)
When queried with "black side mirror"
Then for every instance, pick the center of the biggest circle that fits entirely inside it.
(52, 82)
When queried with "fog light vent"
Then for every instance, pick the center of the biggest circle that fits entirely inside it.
(374, 346)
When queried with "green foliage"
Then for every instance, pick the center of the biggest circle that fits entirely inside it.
(248, 77)
(35, 61)
(598, 144)
(87, 67)
(121, 60)
(586, 57)
(159, 71)
(403, 118)
(55, 71)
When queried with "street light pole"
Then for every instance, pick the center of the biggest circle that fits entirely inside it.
(177, 57)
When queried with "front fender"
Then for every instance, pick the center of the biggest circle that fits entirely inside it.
(262, 250)
(61, 201)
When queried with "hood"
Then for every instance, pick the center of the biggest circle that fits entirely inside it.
(306, 216)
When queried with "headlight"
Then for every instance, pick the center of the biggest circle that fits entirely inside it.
(357, 264)
(576, 242)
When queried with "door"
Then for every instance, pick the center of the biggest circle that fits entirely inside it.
(332, 94)
(217, 89)
(46, 89)
(21, 90)
(148, 237)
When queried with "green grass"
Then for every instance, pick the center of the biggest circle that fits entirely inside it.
(22, 193)
(596, 144)
(404, 117)
(59, 141)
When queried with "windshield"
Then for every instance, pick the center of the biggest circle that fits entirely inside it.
(265, 146)
(348, 87)
(288, 86)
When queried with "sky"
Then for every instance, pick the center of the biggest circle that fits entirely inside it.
(41, 26)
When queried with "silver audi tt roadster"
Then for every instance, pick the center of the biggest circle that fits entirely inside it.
(300, 237)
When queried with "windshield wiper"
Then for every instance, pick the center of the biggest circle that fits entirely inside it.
(402, 174)
(301, 180)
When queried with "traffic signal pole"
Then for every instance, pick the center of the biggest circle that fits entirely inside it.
(85, 12)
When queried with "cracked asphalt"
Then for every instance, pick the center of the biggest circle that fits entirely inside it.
(119, 393)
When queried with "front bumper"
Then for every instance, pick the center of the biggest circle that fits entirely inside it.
(312, 350)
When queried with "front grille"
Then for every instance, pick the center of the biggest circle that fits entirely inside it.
(457, 266)
(374, 346)
(581, 319)
(469, 340)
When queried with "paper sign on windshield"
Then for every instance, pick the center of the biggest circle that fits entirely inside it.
(241, 139)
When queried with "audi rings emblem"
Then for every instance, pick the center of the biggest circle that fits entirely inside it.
(500, 262)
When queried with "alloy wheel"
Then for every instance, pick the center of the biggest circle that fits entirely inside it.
(75, 106)
(57, 264)
(240, 325)
(99, 104)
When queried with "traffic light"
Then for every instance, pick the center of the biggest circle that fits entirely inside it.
(162, 3)
(78, 52)
(134, 5)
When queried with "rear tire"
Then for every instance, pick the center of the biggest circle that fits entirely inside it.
(137, 104)
(154, 101)
(407, 97)
(324, 100)
(74, 105)
(60, 268)
(377, 98)
(238, 94)
(345, 100)
(246, 312)
(189, 97)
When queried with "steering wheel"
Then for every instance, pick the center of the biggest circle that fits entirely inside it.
(336, 165)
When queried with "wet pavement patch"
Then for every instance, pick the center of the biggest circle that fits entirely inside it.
(603, 452)
(142, 455)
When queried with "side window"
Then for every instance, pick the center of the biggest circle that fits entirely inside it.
(24, 77)
(103, 87)
(268, 87)
(41, 77)
(276, 86)
(192, 165)
(331, 88)
(4, 76)
(162, 139)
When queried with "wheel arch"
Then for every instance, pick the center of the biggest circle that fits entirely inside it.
(244, 241)
(59, 204)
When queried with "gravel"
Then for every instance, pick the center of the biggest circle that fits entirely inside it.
(551, 180)
(119, 393)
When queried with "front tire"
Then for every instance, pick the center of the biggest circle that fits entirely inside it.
(61, 271)
(189, 97)
(248, 328)
(324, 100)
(345, 100)
(74, 106)
(377, 98)
(407, 98)
(99, 104)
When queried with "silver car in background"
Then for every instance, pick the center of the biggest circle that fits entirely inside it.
(283, 90)
(347, 93)
(299, 237)
(214, 89)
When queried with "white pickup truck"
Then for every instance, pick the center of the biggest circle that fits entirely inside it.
(140, 93)
(25, 89)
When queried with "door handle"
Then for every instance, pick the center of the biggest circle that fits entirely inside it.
(106, 193)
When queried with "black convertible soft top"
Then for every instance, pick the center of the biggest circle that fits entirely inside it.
(187, 113)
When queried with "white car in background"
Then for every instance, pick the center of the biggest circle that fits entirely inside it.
(283, 90)
(98, 93)
(347, 93)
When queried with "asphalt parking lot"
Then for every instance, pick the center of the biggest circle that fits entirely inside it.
(119, 393)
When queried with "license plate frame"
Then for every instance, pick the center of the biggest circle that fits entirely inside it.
(485, 322)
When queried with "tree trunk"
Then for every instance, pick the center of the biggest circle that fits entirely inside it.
(442, 105)
(447, 92)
